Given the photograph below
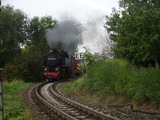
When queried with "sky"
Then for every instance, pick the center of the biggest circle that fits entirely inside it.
(91, 13)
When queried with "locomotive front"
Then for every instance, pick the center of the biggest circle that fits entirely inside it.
(54, 65)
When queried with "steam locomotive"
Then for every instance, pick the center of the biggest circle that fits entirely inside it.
(60, 65)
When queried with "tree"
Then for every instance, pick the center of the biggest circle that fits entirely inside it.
(22, 44)
(36, 47)
(135, 29)
(13, 27)
(37, 30)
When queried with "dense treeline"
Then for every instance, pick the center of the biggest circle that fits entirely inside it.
(22, 44)
(135, 30)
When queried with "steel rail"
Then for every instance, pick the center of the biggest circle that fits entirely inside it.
(80, 106)
(51, 106)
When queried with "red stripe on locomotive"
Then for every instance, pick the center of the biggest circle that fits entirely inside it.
(51, 74)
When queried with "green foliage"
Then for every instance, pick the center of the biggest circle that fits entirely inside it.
(36, 47)
(12, 106)
(17, 30)
(89, 58)
(31, 65)
(15, 69)
(26, 66)
(75, 85)
(13, 33)
(37, 30)
(101, 77)
(11, 72)
(119, 77)
(135, 29)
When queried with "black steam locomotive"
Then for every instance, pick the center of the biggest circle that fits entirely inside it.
(59, 65)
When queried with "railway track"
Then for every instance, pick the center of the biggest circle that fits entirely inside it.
(60, 107)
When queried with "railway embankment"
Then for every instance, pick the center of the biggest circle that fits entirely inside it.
(119, 85)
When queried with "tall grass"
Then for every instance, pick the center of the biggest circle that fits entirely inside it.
(120, 77)
(13, 108)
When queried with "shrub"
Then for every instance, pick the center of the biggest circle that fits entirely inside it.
(120, 77)
(11, 72)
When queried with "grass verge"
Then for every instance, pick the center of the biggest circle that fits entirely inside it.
(13, 108)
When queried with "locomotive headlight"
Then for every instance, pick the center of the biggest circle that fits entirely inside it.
(46, 69)
(57, 69)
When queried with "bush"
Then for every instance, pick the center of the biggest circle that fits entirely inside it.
(120, 77)
(11, 72)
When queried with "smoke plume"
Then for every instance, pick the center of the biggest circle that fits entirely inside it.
(94, 26)
(66, 35)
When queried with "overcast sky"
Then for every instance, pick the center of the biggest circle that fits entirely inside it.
(80, 9)
(85, 11)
